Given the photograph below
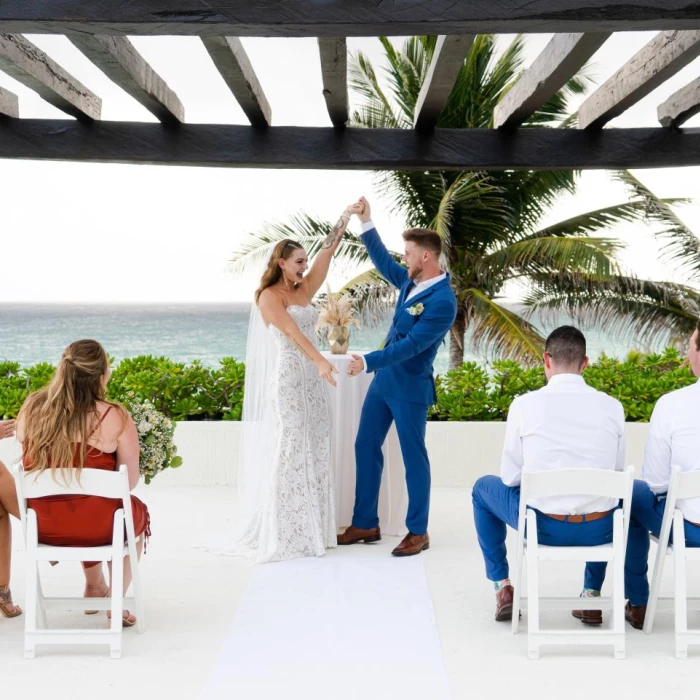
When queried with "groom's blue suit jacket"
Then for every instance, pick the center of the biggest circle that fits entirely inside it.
(404, 367)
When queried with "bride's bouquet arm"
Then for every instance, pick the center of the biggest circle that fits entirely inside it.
(319, 270)
(274, 312)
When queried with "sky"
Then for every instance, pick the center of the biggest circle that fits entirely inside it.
(77, 232)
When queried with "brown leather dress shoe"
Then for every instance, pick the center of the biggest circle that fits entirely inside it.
(635, 614)
(589, 617)
(412, 544)
(504, 604)
(353, 535)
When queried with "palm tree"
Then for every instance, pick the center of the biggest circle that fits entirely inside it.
(490, 222)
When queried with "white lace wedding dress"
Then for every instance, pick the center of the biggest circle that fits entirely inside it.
(295, 516)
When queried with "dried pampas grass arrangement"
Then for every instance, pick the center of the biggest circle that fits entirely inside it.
(338, 311)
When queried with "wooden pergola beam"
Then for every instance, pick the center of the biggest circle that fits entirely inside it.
(560, 60)
(655, 63)
(350, 149)
(30, 66)
(681, 106)
(119, 60)
(296, 18)
(9, 104)
(333, 52)
(447, 61)
(233, 63)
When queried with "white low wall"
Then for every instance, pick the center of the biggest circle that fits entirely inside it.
(459, 452)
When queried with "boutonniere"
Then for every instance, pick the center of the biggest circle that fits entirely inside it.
(416, 309)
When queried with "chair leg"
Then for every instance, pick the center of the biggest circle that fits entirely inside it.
(517, 584)
(680, 585)
(117, 586)
(137, 585)
(533, 600)
(618, 596)
(31, 587)
(661, 553)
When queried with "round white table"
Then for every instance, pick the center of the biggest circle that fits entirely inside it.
(346, 403)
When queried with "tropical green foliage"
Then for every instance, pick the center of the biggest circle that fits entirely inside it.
(178, 390)
(491, 223)
(470, 393)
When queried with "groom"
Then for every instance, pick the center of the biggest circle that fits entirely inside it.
(403, 388)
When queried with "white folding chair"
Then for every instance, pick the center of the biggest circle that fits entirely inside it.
(92, 482)
(567, 482)
(683, 485)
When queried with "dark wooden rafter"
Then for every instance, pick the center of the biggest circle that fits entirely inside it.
(349, 149)
(119, 60)
(30, 66)
(9, 104)
(560, 60)
(297, 18)
(333, 52)
(660, 59)
(681, 106)
(233, 63)
(448, 59)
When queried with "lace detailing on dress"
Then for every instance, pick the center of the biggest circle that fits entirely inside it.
(298, 515)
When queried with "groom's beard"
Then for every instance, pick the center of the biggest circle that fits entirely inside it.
(415, 273)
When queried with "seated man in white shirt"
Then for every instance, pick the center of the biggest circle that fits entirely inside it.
(674, 439)
(565, 424)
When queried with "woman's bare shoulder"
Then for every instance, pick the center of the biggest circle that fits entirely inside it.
(113, 419)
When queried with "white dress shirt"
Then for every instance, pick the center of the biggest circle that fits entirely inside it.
(566, 424)
(418, 286)
(674, 439)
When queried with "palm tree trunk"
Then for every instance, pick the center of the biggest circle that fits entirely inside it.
(457, 332)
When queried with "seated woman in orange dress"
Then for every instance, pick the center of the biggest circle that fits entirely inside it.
(70, 423)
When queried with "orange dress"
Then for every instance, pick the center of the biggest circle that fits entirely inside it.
(85, 521)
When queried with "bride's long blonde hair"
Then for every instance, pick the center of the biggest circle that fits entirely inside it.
(65, 413)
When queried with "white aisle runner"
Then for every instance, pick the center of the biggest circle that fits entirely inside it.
(337, 627)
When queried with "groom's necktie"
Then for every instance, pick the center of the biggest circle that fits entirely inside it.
(411, 287)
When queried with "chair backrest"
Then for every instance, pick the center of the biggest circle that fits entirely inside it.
(683, 485)
(687, 483)
(90, 482)
(574, 482)
(577, 482)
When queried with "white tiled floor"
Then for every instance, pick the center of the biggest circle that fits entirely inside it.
(192, 596)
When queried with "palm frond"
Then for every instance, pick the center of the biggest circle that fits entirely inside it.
(372, 295)
(597, 220)
(307, 231)
(625, 306)
(502, 331)
(582, 258)
(681, 244)
(377, 110)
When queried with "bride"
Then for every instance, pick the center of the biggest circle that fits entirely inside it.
(286, 491)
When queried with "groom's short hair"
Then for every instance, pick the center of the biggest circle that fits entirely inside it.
(425, 238)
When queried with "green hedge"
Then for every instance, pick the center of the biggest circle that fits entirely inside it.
(180, 391)
(470, 393)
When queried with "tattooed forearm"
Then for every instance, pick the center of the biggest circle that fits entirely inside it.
(338, 230)
(302, 348)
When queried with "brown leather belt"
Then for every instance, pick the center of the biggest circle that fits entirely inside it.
(586, 518)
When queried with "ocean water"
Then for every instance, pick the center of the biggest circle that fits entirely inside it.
(31, 333)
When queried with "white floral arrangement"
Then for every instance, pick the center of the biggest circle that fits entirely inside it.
(416, 309)
(155, 430)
